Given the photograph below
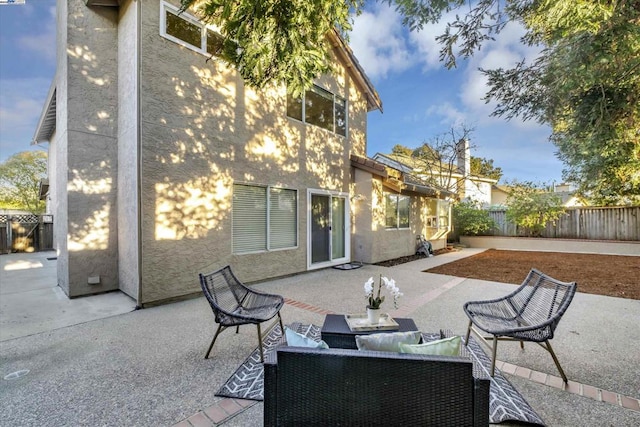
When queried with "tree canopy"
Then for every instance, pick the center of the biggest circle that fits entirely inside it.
(20, 178)
(485, 168)
(585, 83)
(531, 207)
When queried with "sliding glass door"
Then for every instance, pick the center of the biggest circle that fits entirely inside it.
(328, 239)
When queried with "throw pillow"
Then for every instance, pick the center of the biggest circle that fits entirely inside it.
(387, 341)
(295, 339)
(443, 347)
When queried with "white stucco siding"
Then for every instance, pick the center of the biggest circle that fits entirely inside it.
(478, 191)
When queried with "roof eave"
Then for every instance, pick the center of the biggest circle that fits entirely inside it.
(47, 121)
(373, 99)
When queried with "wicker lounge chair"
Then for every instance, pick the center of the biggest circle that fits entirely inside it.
(235, 304)
(530, 313)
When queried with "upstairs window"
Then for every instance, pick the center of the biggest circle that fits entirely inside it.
(319, 107)
(186, 30)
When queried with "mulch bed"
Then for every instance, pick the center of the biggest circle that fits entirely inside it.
(610, 275)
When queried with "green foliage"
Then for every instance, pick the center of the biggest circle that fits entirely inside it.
(470, 220)
(484, 167)
(586, 86)
(401, 150)
(531, 207)
(20, 178)
(277, 41)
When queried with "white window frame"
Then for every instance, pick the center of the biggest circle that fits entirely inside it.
(335, 97)
(347, 228)
(189, 18)
(397, 226)
(268, 248)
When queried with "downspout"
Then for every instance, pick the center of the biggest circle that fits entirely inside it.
(139, 149)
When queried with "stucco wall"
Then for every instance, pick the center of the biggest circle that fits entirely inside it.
(372, 241)
(128, 224)
(202, 130)
(59, 147)
(87, 152)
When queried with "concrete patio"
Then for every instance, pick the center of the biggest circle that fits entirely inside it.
(97, 361)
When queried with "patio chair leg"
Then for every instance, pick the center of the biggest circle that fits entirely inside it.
(281, 327)
(555, 359)
(466, 339)
(260, 343)
(237, 328)
(220, 329)
(494, 351)
(522, 345)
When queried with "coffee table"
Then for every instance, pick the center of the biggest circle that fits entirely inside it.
(336, 333)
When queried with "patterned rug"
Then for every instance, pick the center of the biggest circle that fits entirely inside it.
(505, 402)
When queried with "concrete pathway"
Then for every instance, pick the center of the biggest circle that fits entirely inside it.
(147, 367)
(31, 301)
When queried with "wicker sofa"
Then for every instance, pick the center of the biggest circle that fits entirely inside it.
(304, 386)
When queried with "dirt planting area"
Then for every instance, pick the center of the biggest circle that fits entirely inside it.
(611, 275)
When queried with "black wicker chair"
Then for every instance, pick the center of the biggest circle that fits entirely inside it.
(530, 313)
(235, 304)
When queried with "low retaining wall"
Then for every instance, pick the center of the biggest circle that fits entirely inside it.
(603, 247)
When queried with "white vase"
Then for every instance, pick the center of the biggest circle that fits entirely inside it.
(373, 315)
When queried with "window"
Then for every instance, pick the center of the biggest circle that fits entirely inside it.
(321, 108)
(437, 221)
(264, 218)
(396, 210)
(188, 31)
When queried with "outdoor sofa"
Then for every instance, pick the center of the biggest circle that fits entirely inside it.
(305, 386)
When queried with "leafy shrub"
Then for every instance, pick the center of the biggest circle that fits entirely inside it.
(470, 220)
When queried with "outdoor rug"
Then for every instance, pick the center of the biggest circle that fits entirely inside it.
(505, 402)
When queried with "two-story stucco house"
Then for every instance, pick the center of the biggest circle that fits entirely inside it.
(163, 164)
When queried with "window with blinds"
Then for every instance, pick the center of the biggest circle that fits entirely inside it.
(264, 218)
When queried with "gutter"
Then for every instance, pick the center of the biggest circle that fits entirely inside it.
(139, 148)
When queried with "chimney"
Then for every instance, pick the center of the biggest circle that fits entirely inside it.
(463, 154)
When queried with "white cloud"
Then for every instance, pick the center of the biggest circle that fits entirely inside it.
(43, 40)
(378, 42)
(503, 52)
(449, 114)
(424, 41)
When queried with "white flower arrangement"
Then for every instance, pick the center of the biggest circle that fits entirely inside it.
(389, 284)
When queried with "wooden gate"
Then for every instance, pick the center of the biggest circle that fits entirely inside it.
(26, 233)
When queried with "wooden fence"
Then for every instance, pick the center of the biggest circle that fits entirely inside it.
(610, 223)
(25, 233)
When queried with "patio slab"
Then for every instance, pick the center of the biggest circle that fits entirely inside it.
(147, 367)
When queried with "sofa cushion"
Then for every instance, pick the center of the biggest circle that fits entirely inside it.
(443, 347)
(387, 341)
(295, 339)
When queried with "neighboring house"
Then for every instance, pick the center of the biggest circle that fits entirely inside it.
(499, 195)
(163, 165)
(452, 178)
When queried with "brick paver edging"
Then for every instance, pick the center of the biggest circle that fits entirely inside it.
(573, 387)
(217, 413)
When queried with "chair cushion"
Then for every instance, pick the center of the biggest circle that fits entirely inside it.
(387, 341)
(443, 347)
(295, 339)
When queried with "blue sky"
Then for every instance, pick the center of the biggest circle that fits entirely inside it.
(421, 98)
